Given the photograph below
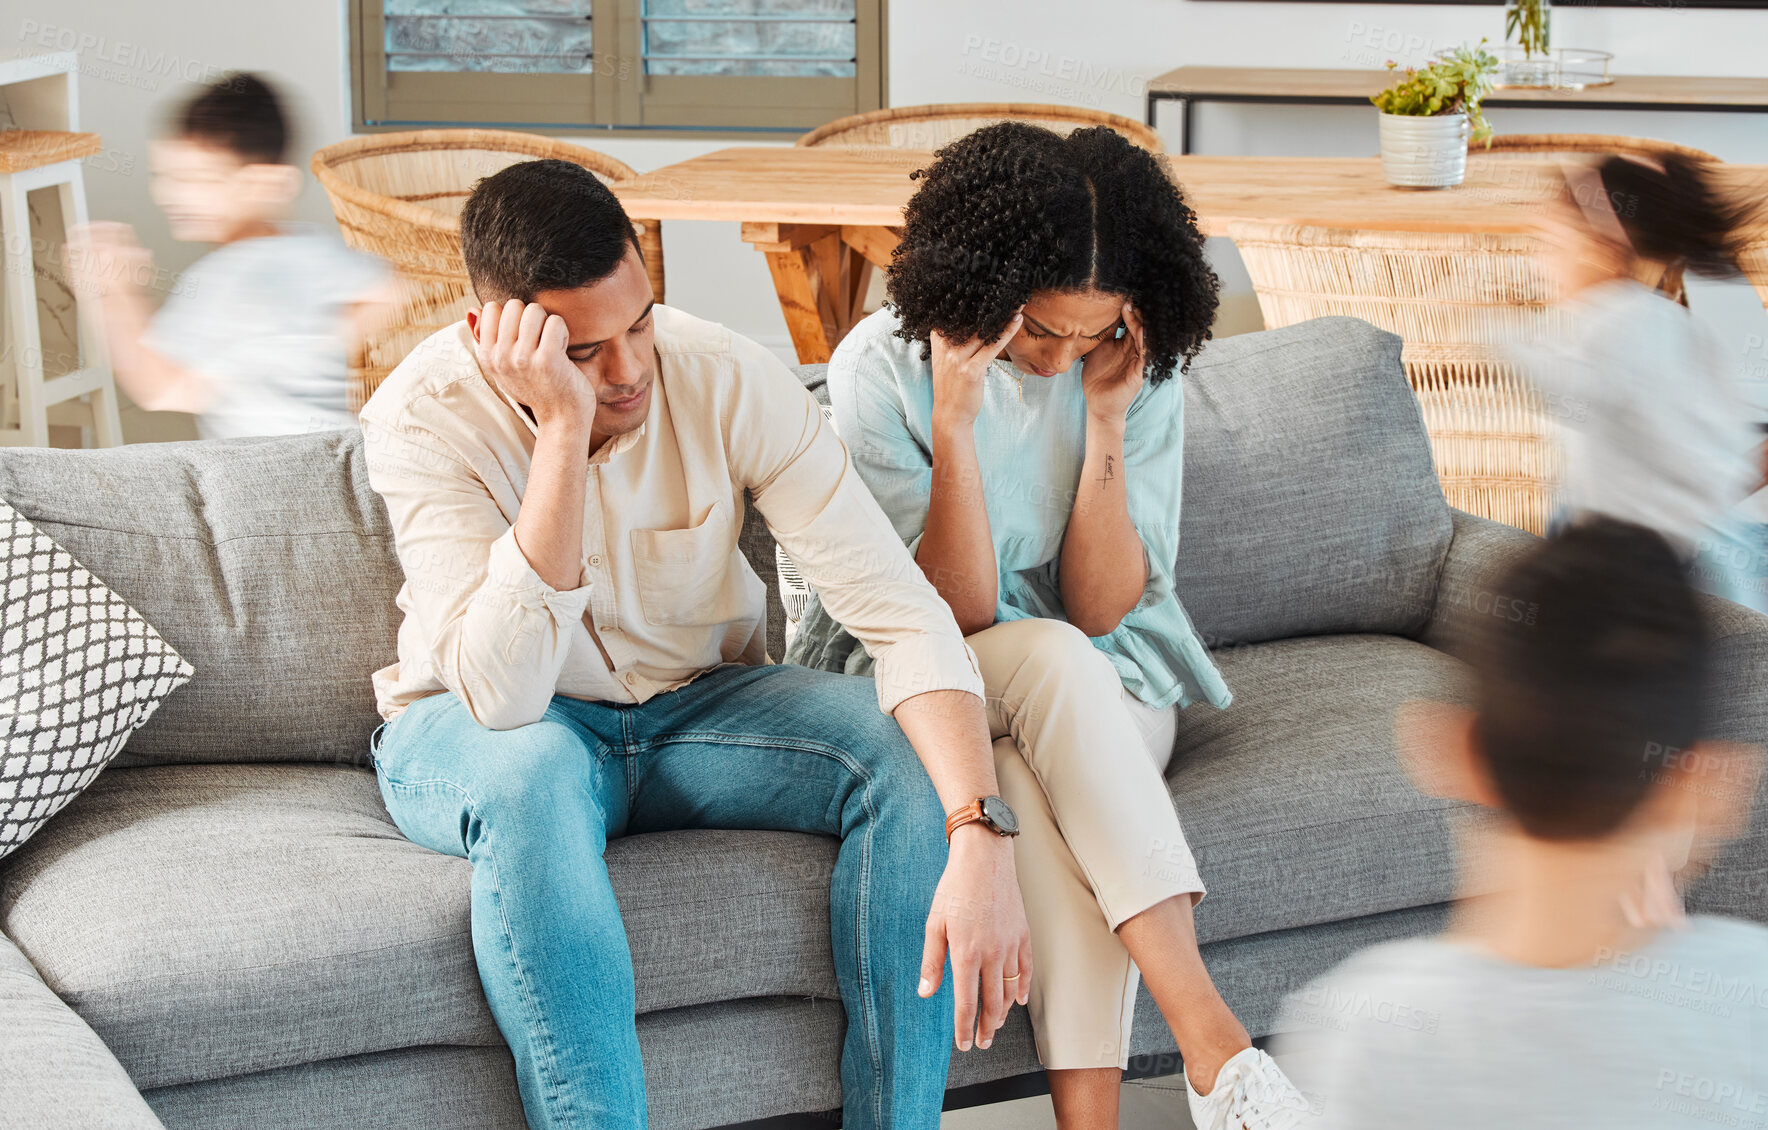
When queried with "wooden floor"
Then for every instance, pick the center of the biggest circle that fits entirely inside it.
(1151, 1104)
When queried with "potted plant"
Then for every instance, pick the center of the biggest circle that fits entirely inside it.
(1429, 114)
(1526, 23)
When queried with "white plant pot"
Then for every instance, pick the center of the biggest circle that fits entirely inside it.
(1424, 152)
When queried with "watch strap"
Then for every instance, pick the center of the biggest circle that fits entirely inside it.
(968, 814)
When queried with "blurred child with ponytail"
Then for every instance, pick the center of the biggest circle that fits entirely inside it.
(1654, 422)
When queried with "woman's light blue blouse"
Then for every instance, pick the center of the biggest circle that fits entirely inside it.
(1030, 443)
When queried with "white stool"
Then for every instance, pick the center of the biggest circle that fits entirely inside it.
(81, 393)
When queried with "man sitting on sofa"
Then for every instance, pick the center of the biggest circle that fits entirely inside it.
(582, 657)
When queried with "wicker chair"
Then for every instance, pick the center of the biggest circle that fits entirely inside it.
(399, 196)
(930, 126)
(1538, 145)
(1453, 299)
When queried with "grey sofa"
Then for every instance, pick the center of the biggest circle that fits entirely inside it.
(230, 913)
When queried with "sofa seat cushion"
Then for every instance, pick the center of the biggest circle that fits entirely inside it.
(1293, 799)
(209, 920)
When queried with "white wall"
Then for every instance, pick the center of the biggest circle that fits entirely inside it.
(136, 56)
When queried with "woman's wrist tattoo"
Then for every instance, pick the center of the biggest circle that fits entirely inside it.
(1110, 473)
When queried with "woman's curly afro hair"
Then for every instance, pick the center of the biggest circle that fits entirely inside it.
(1015, 208)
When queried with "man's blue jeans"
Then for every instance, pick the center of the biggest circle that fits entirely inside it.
(772, 747)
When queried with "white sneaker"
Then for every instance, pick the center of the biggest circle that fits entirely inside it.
(1250, 1093)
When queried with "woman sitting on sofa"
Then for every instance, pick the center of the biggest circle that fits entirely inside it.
(1013, 409)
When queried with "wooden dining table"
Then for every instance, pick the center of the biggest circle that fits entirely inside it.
(825, 218)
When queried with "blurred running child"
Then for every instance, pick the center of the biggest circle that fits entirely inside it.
(255, 338)
(1553, 1001)
(1655, 424)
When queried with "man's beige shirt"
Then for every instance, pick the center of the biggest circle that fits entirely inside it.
(666, 593)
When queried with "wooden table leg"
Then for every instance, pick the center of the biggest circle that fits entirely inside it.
(876, 244)
(820, 274)
(871, 249)
(797, 291)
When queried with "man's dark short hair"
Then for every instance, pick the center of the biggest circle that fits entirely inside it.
(1582, 706)
(541, 225)
(241, 114)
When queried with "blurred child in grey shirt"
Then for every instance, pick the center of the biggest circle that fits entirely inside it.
(256, 336)
(1553, 1000)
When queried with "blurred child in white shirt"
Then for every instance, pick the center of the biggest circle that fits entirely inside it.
(1654, 422)
(256, 337)
(1560, 998)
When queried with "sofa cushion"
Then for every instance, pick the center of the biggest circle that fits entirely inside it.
(1293, 798)
(771, 1056)
(1311, 501)
(58, 1074)
(268, 563)
(213, 920)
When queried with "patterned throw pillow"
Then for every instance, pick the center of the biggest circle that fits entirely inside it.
(79, 671)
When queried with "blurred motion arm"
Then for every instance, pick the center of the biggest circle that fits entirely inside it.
(370, 314)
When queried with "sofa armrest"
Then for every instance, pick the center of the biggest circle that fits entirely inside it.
(58, 1073)
(1470, 593)
(1737, 883)
(1467, 589)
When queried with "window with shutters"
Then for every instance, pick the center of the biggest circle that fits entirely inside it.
(641, 66)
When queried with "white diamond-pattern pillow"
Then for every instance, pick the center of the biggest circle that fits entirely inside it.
(79, 671)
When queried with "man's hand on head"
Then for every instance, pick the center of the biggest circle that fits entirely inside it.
(522, 348)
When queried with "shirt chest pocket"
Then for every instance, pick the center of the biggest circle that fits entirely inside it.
(685, 577)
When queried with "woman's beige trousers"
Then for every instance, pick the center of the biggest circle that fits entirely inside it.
(1080, 761)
